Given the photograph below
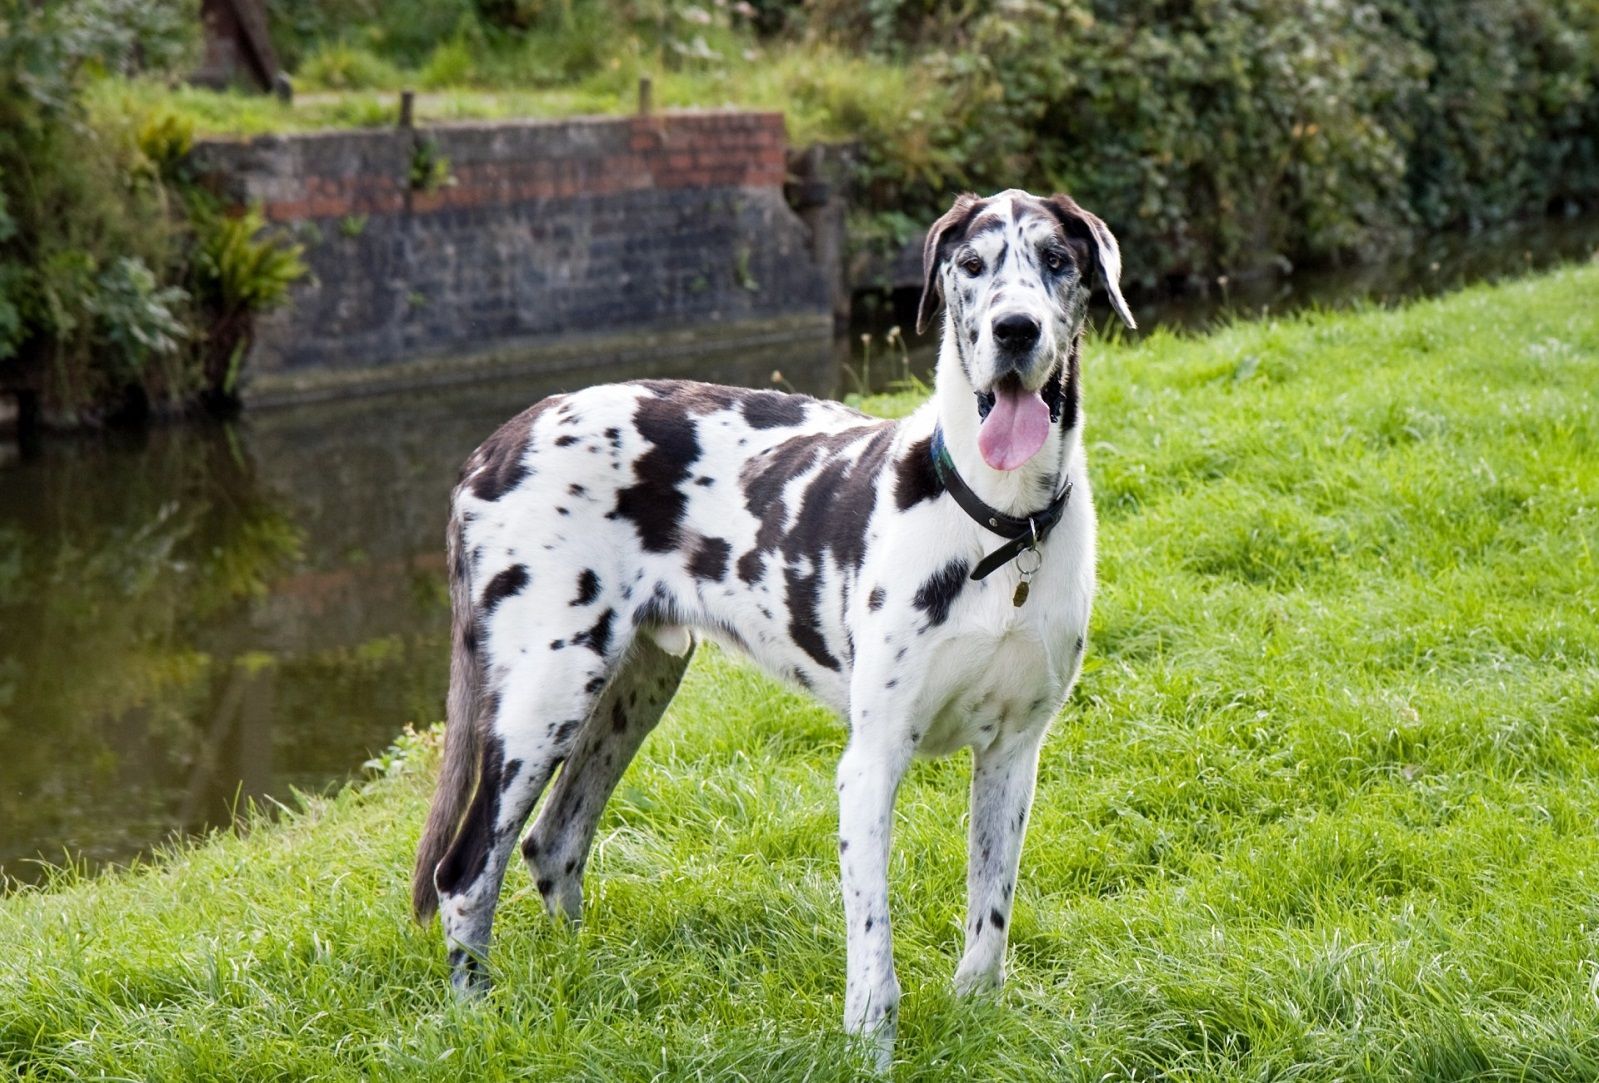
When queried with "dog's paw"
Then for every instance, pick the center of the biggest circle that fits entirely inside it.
(972, 980)
(876, 1035)
(469, 975)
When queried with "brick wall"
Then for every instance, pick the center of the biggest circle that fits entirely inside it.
(545, 235)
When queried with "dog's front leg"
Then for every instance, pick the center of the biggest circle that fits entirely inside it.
(1002, 795)
(868, 777)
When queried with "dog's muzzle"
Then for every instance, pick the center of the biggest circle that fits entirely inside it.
(1016, 335)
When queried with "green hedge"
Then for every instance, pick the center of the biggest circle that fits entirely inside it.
(1215, 134)
(123, 287)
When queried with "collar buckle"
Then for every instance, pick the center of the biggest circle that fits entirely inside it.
(1025, 534)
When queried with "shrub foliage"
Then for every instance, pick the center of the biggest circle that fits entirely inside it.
(1217, 133)
(109, 303)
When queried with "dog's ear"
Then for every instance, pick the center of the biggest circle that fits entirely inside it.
(954, 220)
(1078, 222)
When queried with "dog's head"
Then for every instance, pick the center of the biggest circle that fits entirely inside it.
(1014, 272)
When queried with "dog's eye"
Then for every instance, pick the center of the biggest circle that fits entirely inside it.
(972, 266)
(1054, 260)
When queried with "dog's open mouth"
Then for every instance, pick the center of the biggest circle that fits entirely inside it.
(1015, 423)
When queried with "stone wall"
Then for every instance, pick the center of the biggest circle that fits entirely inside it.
(464, 250)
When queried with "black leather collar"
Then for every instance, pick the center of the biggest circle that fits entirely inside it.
(1026, 532)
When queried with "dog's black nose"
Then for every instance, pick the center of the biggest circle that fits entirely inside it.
(1016, 332)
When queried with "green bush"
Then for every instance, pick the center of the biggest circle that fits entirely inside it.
(90, 305)
(341, 66)
(403, 32)
(239, 271)
(1222, 133)
(118, 287)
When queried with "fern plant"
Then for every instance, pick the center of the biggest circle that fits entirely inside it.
(240, 270)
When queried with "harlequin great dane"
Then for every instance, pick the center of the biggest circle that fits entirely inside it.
(930, 579)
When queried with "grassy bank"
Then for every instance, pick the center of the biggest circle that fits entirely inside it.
(1322, 808)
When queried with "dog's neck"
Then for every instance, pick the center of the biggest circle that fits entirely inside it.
(1036, 482)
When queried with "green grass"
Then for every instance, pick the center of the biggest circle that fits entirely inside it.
(823, 93)
(1323, 807)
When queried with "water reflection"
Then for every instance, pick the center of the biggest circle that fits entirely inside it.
(209, 614)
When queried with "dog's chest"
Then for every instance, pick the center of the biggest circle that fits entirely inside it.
(1001, 668)
(1005, 689)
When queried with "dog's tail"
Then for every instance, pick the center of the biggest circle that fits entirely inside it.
(462, 741)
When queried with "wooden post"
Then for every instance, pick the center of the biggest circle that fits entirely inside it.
(646, 96)
(407, 108)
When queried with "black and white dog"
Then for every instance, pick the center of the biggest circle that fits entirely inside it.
(930, 579)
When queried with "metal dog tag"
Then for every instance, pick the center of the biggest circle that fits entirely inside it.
(1023, 588)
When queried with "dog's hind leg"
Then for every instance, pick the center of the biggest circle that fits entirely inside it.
(557, 848)
(528, 724)
(1003, 777)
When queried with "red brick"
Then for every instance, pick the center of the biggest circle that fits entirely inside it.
(286, 210)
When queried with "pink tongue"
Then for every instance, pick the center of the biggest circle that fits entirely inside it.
(1014, 429)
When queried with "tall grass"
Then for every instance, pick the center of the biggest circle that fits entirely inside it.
(1323, 806)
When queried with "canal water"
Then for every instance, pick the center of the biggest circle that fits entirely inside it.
(201, 616)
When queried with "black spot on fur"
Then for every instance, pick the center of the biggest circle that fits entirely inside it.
(575, 489)
(764, 479)
(874, 600)
(618, 718)
(1061, 393)
(709, 561)
(569, 727)
(557, 644)
(804, 626)
(696, 399)
(935, 596)
(499, 464)
(751, 567)
(545, 885)
(614, 436)
(654, 503)
(565, 440)
(1079, 644)
(595, 685)
(915, 479)
(705, 480)
(597, 638)
(838, 503)
(588, 588)
(509, 583)
(996, 919)
(772, 410)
